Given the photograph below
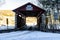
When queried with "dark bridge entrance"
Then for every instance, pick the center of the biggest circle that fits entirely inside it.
(31, 13)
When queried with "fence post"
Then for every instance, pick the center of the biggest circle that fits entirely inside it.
(7, 22)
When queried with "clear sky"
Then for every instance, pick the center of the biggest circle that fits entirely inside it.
(13, 4)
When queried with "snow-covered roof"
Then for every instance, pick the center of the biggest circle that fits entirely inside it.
(13, 4)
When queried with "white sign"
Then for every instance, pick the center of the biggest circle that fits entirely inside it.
(2, 2)
(29, 7)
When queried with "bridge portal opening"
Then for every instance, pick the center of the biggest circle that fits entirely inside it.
(31, 21)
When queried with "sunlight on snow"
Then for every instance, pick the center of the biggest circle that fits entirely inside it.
(7, 14)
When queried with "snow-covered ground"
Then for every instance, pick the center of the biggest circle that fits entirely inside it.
(6, 27)
(29, 35)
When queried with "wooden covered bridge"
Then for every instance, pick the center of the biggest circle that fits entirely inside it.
(28, 10)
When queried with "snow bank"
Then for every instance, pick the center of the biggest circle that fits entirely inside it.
(5, 27)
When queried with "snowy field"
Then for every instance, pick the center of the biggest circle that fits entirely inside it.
(29, 35)
(5, 27)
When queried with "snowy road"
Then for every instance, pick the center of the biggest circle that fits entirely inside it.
(29, 35)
